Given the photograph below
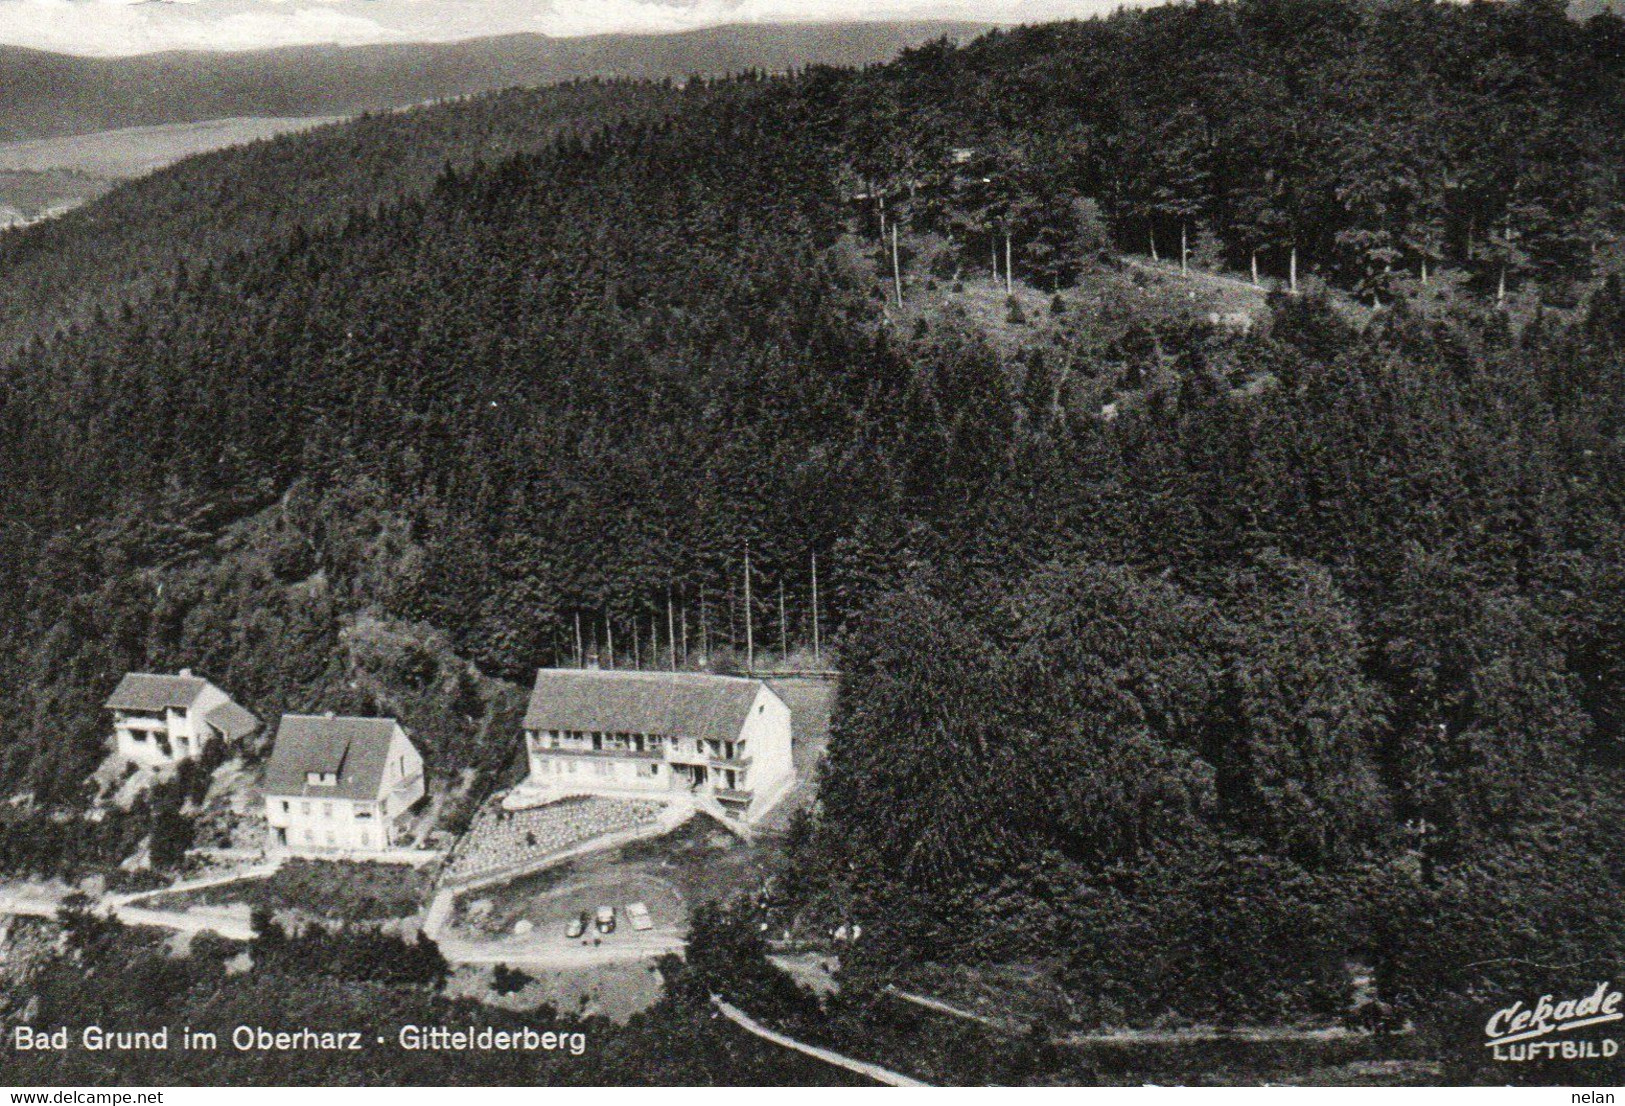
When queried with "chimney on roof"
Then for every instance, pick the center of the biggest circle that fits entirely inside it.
(186, 672)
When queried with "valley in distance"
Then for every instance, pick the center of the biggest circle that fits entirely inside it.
(1083, 554)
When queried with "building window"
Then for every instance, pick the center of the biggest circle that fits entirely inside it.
(366, 840)
(327, 810)
(310, 836)
(304, 808)
(286, 806)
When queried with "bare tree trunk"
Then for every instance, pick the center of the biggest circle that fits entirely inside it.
(1009, 266)
(750, 633)
(1152, 234)
(896, 266)
(1255, 268)
(1501, 285)
(671, 632)
(817, 658)
(1184, 251)
(1424, 270)
(784, 627)
(581, 653)
(1293, 272)
(995, 250)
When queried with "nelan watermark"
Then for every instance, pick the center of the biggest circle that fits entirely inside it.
(1515, 1032)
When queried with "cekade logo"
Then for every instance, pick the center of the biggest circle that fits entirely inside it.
(1515, 1032)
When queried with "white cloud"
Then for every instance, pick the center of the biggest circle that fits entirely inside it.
(139, 26)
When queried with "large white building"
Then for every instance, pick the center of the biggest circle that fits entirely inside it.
(162, 720)
(339, 785)
(620, 733)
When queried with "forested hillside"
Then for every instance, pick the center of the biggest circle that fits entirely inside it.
(1198, 659)
(207, 208)
(1375, 143)
(53, 94)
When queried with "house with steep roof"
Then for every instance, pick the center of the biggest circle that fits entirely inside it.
(162, 720)
(715, 739)
(340, 785)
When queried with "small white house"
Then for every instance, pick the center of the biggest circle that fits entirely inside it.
(623, 733)
(340, 785)
(162, 720)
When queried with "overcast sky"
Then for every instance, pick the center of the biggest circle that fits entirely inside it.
(141, 26)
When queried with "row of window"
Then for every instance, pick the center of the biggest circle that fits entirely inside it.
(565, 766)
(730, 778)
(332, 839)
(140, 736)
(362, 810)
(600, 740)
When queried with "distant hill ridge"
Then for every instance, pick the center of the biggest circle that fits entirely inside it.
(48, 95)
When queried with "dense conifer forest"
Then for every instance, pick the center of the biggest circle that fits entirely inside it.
(212, 206)
(1308, 649)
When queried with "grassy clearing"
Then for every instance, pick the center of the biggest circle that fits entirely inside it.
(332, 890)
(613, 991)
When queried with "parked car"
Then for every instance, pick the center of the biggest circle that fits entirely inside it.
(578, 925)
(638, 914)
(606, 919)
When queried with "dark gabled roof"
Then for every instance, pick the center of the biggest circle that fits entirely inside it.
(232, 720)
(670, 703)
(148, 692)
(355, 749)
